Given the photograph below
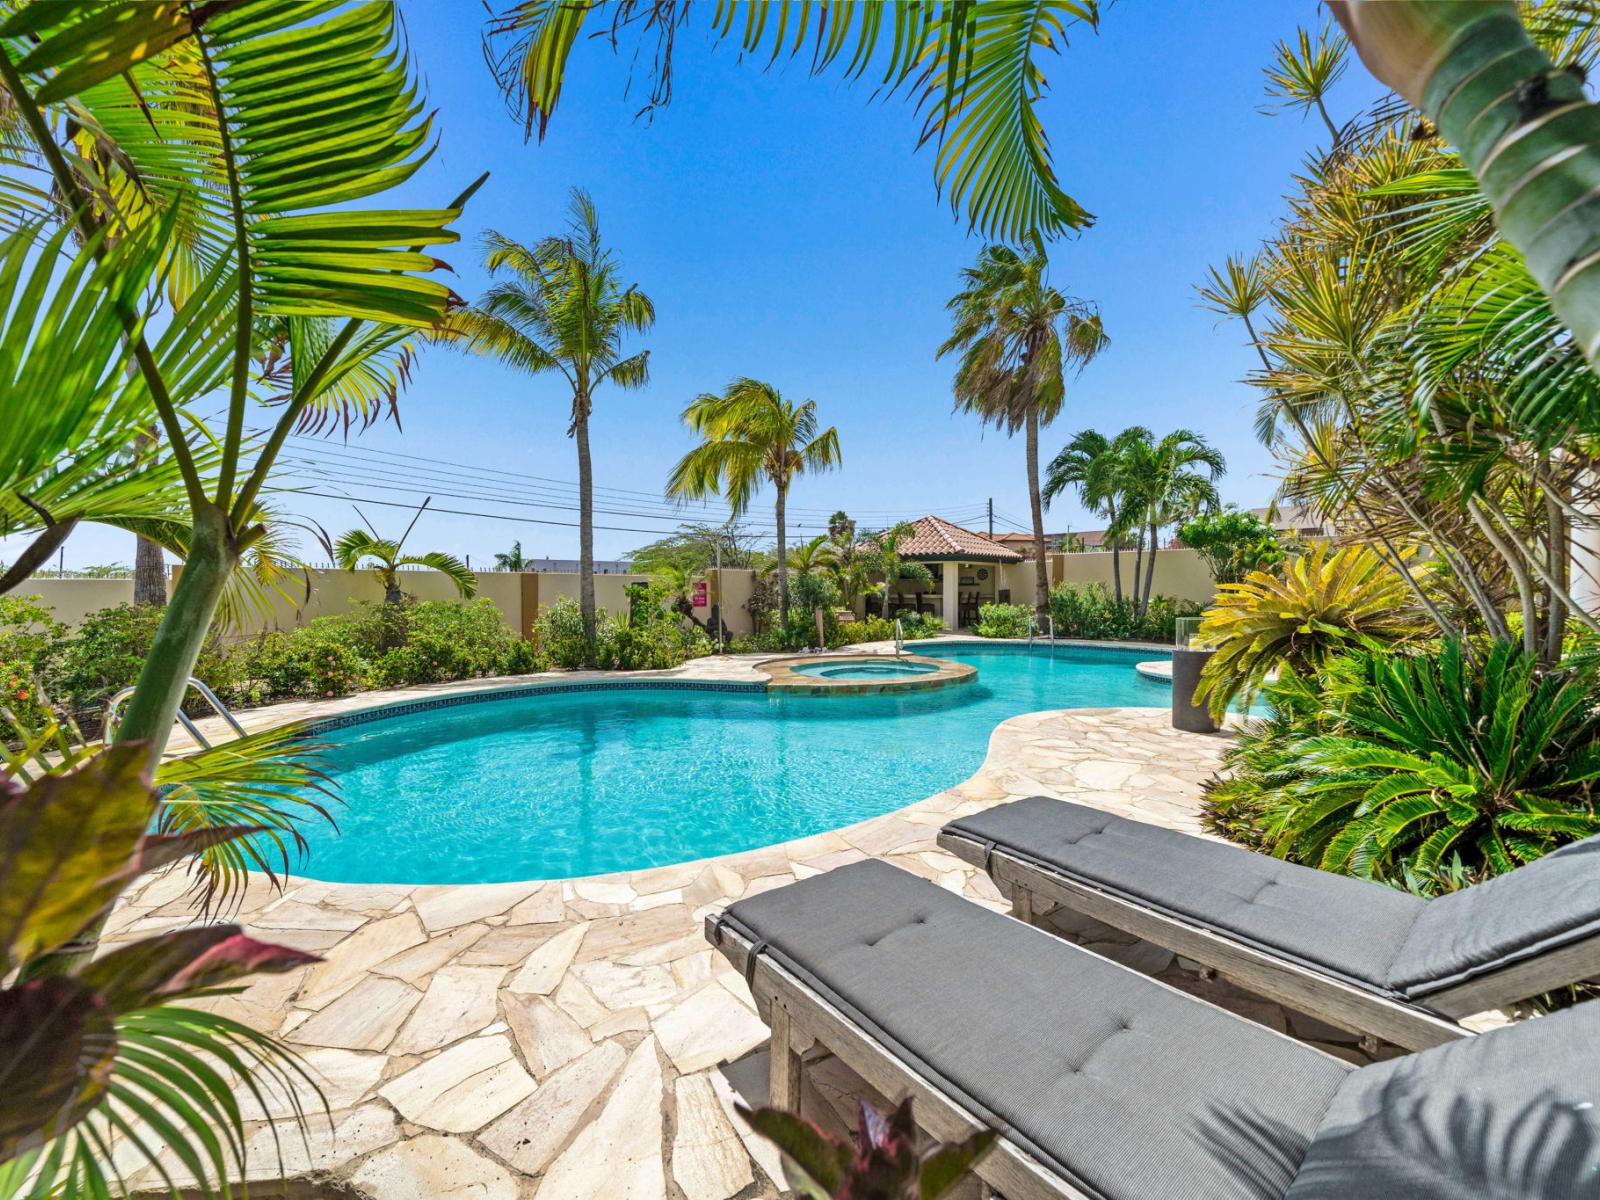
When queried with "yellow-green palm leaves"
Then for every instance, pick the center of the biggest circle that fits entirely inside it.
(972, 67)
(358, 548)
(1322, 603)
(749, 434)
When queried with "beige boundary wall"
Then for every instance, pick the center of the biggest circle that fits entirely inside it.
(519, 595)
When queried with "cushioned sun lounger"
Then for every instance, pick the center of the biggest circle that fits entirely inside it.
(1357, 954)
(1106, 1084)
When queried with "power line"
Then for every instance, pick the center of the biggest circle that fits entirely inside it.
(544, 483)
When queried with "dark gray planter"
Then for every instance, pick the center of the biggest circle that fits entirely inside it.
(1186, 714)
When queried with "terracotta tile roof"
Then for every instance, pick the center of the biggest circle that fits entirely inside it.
(935, 538)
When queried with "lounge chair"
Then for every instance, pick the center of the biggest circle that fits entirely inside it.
(1106, 1084)
(1365, 957)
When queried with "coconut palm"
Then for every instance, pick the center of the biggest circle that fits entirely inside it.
(362, 548)
(1095, 465)
(972, 67)
(816, 557)
(1166, 482)
(563, 307)
(750, 433)
(1017, 336)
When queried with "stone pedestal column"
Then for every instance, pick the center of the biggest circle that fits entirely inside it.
(1186, 714)
(950, 594)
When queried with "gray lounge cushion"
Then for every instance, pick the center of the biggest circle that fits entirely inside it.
(1511, 1115)
(1347, 927)
(1537, 908)
(1122, 1085)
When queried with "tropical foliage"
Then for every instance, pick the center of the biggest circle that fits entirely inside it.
(512, 559)
(1233, 543)
(562, 307)
(1142, 485)
(972, 68)
(650, 639)
(1324, 602)
(102, 1050)
(361, 549)
(1432, 769)
(129, 192)
(883, 1163)
(749, 434)
(1018, 336)
(1093, 611)
(1004, 621)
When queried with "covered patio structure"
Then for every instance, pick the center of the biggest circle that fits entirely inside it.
(968, 570)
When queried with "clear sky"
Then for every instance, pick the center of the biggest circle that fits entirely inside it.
(785, 229)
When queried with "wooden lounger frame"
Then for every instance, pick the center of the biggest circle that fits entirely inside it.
(800, 1019)
(1036, 890)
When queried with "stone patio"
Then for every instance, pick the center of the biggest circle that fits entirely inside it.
(568, 1039)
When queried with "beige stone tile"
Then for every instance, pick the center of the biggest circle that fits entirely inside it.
(463, 1088)
(604, 890)
(434, 1168)
(325, 1146)
(579, 1002)
(629, 1020)
(418, 963)
(444, 906)
(548, 1037)
(760, 1150)
(613, 937)
(619, 987)
(709, 1026)
(548, 964)
(354, 957)
(365, 1018)
(533, 1132)
(343, 1077)
(708, 1160)
(543, 907)
(290, 914)
(509, 946)
(459, 1002)
(619, 1154)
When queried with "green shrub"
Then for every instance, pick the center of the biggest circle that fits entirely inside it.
(321, 659)
(869, 629)
(31, 644)
(1233, 543)
(560, 633)
(107, 651)
(811, 592)
(1090, 610)
(445, 640)
(524, 658)
(1003, 621)
(1422, 770)
(918, 624)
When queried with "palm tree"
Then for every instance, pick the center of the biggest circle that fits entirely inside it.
(1096, 466)
(359, 548)
(511, 560)
(816, 557)
(750, 433)
(1167, 482)
(1017, 336)
(563, 308)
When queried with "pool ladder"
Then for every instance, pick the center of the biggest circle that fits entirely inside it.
(114, 706)
(1033, 627)
(899, 638)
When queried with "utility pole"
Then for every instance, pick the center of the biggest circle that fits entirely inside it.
(991, 516)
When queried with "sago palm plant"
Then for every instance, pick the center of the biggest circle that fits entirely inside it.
(1431, 756)
(361, 549)
(1324, 602)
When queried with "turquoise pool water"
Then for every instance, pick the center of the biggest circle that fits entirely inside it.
(886, 669)
(580, 783)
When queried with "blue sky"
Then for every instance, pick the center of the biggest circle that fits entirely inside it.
(785, 229)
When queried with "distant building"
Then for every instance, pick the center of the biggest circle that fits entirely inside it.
(1294, 520)
(569, 566)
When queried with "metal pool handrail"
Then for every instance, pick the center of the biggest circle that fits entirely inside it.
(1033, 627)
(899, 638)
(210, 697)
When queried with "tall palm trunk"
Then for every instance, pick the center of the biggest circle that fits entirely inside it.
(1041, 568)
(1523, 127)
(580, 431)
(149, 573)
(182, 633)
(783, 553)
(1149, 573)
(1138, 563)
(1116, 551)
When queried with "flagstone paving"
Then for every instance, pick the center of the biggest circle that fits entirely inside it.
(566, 1039)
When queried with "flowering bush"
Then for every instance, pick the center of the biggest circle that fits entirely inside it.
(31, 642)
(444, 640)
(107, 651)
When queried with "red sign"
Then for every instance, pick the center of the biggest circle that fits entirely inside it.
(700, 600)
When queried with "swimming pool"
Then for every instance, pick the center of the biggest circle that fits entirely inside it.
(584, 782)
(885, 668)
